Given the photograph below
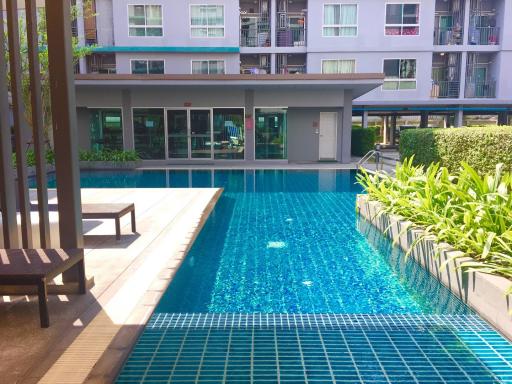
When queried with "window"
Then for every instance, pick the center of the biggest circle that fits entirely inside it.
(340, 20)
(144, 67)
(149, 133)
(400, 74)
(228, 134)
(402, 19)
(145, 20)
(207, 67)
(338, 66)
(106, 129)
(271, 134)
(207, 20)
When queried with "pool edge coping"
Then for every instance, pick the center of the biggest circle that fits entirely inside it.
(482, 292)
(108, 366)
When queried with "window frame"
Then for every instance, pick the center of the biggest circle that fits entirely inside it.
(340, 26)
(207, 60)
(145, 26)
(339, 73)
(399, 79)
(401, 26)
(147, 66)
(207, 27)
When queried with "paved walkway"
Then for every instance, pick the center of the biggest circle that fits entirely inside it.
(91, 334)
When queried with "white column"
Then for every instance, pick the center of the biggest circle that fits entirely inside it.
(273, 12)
(273, 63)
(467, 10)
(364, 121)
(80, 26)
(459, 118)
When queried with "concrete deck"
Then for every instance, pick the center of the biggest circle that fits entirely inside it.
(90, 335)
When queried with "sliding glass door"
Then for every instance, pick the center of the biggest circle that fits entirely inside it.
(200, 134)
(177, 130)
(189, 133)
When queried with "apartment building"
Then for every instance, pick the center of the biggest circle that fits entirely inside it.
(446, 63)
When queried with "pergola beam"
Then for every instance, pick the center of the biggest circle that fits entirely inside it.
(60, 58)
(20, 126)
(7, 193)
(37, 123)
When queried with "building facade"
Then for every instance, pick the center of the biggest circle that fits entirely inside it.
(446, 62)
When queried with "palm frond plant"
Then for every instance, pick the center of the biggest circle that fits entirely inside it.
(471, 212)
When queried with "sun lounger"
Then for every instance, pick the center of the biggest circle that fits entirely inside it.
(110, 211)
(35, 267)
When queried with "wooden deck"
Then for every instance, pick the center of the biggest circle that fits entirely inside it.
(91, 334)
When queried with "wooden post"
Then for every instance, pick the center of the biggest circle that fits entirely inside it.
(60, 58)
(7, 193)
(20, 126)
(37, 123)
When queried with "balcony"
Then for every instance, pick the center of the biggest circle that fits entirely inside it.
(255, 64)
(483, 35)
(485, 89)
(445, 89)
(101, 63)
(290, 63)
(254, 31)
(448, 36)
(449, 21)
(291, 37)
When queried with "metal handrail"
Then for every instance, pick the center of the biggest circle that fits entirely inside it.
(379, 159)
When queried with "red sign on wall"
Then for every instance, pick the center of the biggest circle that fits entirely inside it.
(187, 104)
(248, 122)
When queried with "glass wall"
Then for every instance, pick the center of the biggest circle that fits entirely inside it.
(228, 133)
(200, 134)
(177, 125)
(271, 134)
(106, 129)
(149, 133)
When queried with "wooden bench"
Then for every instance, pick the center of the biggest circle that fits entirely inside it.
(110, 211)
(29, 267)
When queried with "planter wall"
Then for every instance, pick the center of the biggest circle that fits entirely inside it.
(109, 164)
(482, 292)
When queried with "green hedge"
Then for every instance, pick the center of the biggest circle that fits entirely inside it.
(109, 155)
(481, 147)
(363, 140)
(31, 157)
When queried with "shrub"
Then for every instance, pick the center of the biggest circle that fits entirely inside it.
(481, 147)
(31, 157)
(472, 213)
(109, 155)
(363, 140)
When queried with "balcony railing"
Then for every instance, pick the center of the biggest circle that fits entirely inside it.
(247, 69)
(480, 89)
(291, 37)
(254, 31)
(484, 35)
(445, 89)
(90, 35)
(292, 69)
(105, 68)
(448, 36)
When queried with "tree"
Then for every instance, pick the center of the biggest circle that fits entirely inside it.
(79, 51)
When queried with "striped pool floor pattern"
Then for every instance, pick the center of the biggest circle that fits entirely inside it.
(318, 348)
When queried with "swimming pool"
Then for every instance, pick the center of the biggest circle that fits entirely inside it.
(285, 284)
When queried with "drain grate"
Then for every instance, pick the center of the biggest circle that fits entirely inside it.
(314, 348)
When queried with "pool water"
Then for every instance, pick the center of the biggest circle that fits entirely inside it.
(284, 283)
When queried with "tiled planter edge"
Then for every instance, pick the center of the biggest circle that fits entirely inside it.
(482, 292)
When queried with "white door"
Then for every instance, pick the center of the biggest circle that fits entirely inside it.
(327, 142)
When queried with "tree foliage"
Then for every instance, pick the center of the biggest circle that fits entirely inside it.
(79, 51)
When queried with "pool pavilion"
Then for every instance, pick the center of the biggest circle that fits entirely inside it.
(191, 119)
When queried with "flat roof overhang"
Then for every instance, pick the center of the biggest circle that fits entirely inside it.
(358, 83)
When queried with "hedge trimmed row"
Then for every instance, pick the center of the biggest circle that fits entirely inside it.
(481, 147)
(363, 140)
